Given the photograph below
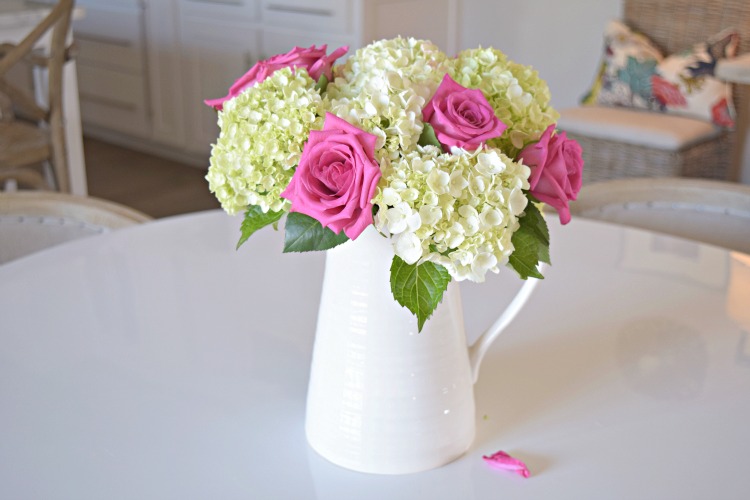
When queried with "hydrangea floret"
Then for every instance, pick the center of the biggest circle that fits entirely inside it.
(263, 131)
(453, 177)
(383, 88)
(457, 210)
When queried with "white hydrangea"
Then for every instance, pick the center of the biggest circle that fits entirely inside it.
(263, 131)
(383, 87)
(458, 210)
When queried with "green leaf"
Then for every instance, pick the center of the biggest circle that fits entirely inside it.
(531, 242)
(304, 234)
(533, 221)
(524, 258)
(428, 137)
(255, 219)
(419, 288)
(322, 84)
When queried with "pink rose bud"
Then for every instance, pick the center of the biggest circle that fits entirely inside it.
(336, 177)
(314, 60)
(556, 164)
(461, 117)
(503, 461)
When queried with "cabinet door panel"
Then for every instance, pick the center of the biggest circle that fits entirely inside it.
(115, 86)
(112, 67)
(113, 100)
(221, 10)
(214, 56)
(164, 75)
(109, 52)
(104, 115)
(330, 16)
(121, 24)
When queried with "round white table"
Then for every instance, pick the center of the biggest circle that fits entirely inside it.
(157, 362)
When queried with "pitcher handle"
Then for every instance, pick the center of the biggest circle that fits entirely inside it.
(479, 348)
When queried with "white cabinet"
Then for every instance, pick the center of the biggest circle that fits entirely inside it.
(162, 25)
(355, 22)
(112, 67)
(146, 66)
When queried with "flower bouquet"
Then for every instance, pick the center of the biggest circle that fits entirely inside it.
(449, 158)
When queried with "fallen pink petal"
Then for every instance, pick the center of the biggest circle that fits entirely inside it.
(503, 461)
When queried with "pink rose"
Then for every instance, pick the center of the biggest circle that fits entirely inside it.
(336, 177)
(314, 60)
(556, 170)
(461, 117)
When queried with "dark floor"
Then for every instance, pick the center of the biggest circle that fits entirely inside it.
(153, 185)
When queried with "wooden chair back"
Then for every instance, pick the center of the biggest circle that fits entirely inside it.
(58, 23)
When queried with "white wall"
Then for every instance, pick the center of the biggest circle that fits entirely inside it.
(561, 39)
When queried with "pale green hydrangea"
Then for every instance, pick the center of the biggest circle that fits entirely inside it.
(519, 97)
(457, 210)
(383, 87)
(263, 131)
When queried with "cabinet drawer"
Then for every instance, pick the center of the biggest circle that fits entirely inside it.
(329, 16)
(221, 10)
(115, 87)
(111, 36)
(132, 122)
(109, 53)
(117, 24)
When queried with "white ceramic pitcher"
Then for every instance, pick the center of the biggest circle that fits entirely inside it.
(383, 398)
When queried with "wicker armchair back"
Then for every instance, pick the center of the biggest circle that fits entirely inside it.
(676, 25)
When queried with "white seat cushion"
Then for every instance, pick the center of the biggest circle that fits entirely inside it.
(641, 128)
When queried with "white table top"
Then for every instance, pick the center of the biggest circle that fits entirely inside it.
(158, 363)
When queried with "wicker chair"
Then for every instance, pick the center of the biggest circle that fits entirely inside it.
(673, 25)
(711, 211)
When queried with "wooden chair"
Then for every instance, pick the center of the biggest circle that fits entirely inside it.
(711, 211)
(619, 142)
(31, 221)
(39, 138)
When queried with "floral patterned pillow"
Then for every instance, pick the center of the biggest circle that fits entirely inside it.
(634, 74)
